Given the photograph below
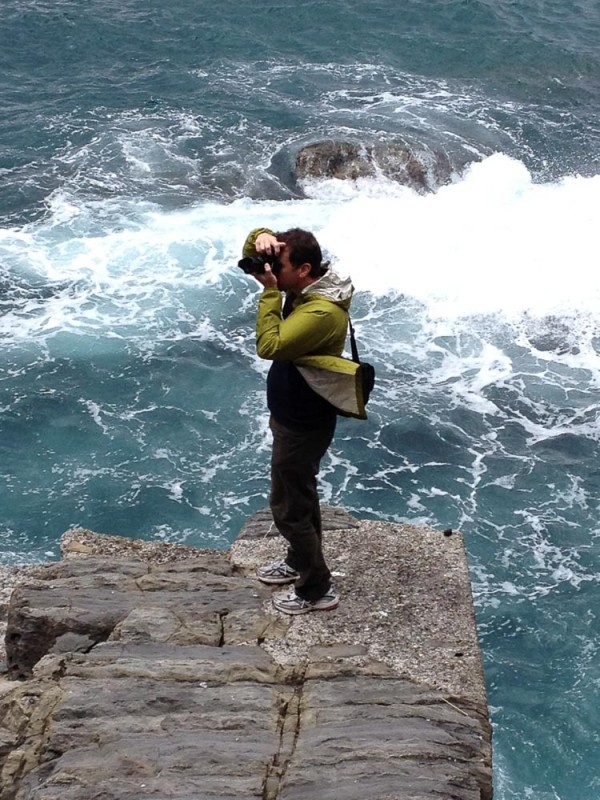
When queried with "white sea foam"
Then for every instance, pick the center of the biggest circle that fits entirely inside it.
(494, 242)
(493, 248)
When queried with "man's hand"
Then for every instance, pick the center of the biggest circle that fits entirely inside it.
(266, 278)
(267, 245)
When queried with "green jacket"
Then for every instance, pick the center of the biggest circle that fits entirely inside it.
(312, 336)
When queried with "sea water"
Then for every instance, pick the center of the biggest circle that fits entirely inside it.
(141, 141)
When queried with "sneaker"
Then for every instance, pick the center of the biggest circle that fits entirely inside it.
(277, 572)
(291, 603)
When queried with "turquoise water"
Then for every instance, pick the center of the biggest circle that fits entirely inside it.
(139, 142)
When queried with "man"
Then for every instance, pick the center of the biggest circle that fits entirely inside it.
(309, 328)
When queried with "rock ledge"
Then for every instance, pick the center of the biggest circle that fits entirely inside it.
(142, 670)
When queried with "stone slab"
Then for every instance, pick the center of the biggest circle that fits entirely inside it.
(152, 677)
(405, 598)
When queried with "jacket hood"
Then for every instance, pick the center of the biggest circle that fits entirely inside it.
(336, 288)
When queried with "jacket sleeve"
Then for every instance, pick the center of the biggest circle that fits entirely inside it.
(249, 249)
(309, 329)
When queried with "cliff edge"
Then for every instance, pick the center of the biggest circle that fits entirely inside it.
(139, 670)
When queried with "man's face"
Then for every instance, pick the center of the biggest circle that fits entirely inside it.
(288, 276)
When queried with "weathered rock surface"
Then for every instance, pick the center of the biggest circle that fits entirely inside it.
(418, 168)
(176, 679)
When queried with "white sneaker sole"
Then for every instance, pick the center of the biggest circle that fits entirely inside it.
(295, 610)
(272, 581)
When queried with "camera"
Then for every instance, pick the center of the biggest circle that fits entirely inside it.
(256, 265)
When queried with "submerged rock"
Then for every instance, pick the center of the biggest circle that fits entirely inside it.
(343, 160)
(419, 168)
(551, 334)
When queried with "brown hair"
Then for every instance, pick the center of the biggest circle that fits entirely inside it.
(303, 248)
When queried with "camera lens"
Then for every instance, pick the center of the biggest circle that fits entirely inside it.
(256, 265)
(252, 265)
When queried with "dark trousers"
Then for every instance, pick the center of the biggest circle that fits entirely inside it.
(294, 502)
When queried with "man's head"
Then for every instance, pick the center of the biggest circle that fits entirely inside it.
(300, 260)
(302, 248)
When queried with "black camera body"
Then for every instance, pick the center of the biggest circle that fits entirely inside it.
(256, 265)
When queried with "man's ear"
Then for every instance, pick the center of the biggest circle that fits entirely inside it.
(304, 269)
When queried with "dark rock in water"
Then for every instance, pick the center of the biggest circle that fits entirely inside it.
(344, 160)
(417, 167)
(566, 449)
(552, 334)
(551, 343)
(421, 169)
(283, 168)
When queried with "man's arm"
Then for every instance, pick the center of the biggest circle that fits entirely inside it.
(249, 250)
(263, 242)
(304, 332)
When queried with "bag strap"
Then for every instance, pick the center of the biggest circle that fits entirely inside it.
(353, 346)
